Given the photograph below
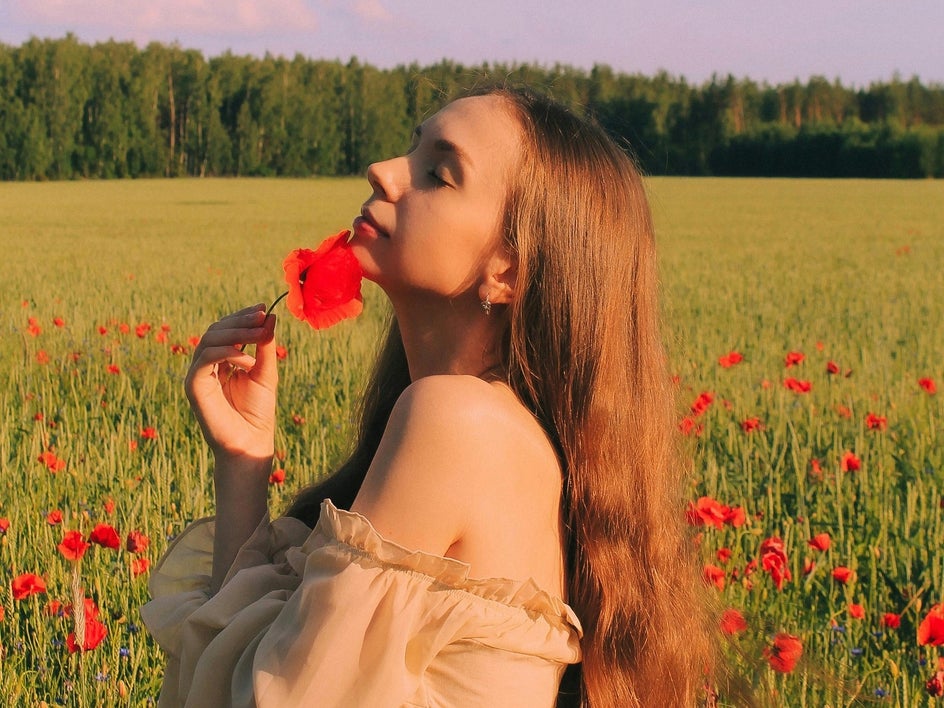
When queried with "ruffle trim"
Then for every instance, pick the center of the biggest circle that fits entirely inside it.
(355, 531)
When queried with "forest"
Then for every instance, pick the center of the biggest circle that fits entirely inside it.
(71, 110)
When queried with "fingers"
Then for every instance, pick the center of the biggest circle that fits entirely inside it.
(223, 339)
(265, 370)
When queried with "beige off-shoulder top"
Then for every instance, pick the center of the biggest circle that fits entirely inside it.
(340, 616)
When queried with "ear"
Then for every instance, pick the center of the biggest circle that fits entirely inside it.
(500, 278)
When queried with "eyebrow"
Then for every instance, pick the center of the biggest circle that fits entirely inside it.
(444, 145)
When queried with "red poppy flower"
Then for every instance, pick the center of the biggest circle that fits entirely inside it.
(832, 367)
(109, 506)
(688, 426)
(809, 565)
(73, 546)
(784, 653)
(856, 611)
(706, 511)
(875, 422)
(148, 433)
(842, 574)
(105, 535)
(139, 566)
(815, 469)
(730, 359)
(281, 352)
(4, 525)
(891, 620)
(797, 386)
(701, 404)
(114, 369)
(935, 685)
(749, 425)
(42, 357)
(136, 542)
(735, 516)
(928, 385)
(844, 411)
(849, 462)
(142, 329)
(774, 561)
(27, 584)
(324, 285)
(723, 555)
(793, 358)
(732, 621)
(277, 476)
(102, 329)
(59, 322)
(820, 542)
(53, 463)
(931, 629)
(95, 632)
(54, 517)
(713, 575)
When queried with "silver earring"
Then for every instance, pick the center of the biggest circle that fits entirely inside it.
(487, 306)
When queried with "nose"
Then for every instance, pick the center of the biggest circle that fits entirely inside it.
(386, 178)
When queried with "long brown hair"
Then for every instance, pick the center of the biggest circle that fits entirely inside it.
(584, 353)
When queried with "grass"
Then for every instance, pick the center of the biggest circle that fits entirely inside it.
(846, 272)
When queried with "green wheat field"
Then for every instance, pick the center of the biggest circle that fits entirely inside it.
(803, 321)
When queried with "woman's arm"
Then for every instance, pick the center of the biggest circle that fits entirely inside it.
(233, 397)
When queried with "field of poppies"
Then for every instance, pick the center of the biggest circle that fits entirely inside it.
(804, 328)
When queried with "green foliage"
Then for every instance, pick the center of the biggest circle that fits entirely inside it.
(759, 266)
(70, 110)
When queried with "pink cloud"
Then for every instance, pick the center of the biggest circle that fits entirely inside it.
(371, 10)
(214, 17)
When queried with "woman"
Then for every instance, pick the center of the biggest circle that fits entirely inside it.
(519, 425)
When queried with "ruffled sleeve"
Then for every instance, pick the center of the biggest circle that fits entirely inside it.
(339, 616)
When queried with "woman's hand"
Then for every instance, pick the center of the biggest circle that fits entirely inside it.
(233, 393)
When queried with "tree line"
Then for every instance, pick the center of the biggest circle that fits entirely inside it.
(72, 110)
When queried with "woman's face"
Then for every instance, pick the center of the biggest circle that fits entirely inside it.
(433, 223)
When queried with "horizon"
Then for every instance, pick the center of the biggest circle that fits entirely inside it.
(856, 43)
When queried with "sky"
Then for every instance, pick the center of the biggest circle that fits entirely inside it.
(855, 41)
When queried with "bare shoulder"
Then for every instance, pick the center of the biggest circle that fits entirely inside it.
(454, 447)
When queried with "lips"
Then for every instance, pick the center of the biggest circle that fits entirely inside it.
(365, 224)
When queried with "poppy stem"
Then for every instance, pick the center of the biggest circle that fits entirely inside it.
(242, 347)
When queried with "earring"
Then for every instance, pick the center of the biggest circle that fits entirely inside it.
(487, 306)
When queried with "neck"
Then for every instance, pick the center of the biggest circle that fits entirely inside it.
(451, 337)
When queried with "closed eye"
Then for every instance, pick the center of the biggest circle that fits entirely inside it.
(437, 179)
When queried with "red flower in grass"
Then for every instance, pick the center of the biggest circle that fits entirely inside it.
(832, 367)
(773, 558)
(732, 621)
(928, 385)
(136, 542)
(849, 462)
(875, 422)
(891, 620)
(4, 525)
(277, 476)
(730, 359)
(688, 426)
(931, 629)
(856, 611)
(59, 322)
(701, 404)
(793, 358)
(52, 462)
(749, 425)
(73, 546)
(713, 575)
(149, 433)
(142, 330)
(27, 584)
(797, 386)
(784, 653)
(815, 469)
(95, 632)
(820, 542)
(324, 285)
(935, 685)
(106, 536)
(842, 574)
(114, 369)
(42, 357)
(139, 566)
(54, 517)
(844, 411)
(281, 352)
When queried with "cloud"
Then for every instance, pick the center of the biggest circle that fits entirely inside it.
(371, 10)
(211, 17)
